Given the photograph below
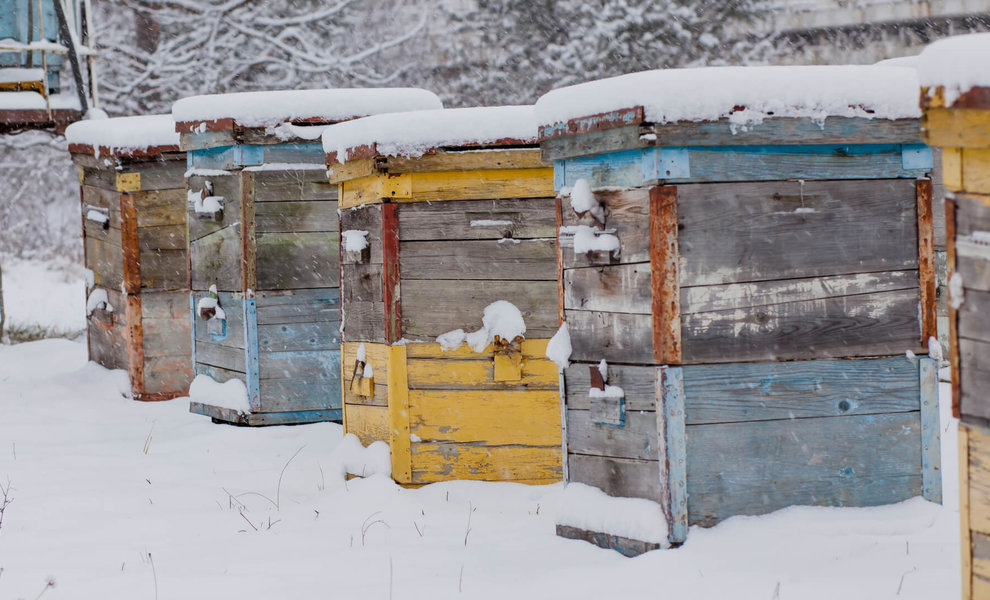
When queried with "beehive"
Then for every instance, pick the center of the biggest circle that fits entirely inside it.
(773, 266)
(134, 237)
(956, 104)
(263, 233)
(444, 213)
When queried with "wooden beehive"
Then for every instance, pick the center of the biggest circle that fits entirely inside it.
(134, 237)
(454, 221)
(957, 120)
(263, 231)
(769, 279)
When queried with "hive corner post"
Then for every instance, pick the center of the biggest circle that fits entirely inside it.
(737, 274)
(134, 236)
(431, 239)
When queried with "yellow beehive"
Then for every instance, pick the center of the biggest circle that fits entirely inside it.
(442, 214)
(957, 119)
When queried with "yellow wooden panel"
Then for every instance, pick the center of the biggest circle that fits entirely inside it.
(468, 160)
(360, 191)
(956, 127)
(536, 348)
(966, 547)
(494, 418)
(952, 169)
(458, 374)
(369, 423)
(445, 462)
(979, 481)
(352, 169)
(482, 184)
(976, 170)
(378, 355)
(128, 182)
(980, 589)
(398, 415)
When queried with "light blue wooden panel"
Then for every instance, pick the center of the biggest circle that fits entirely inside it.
(262, 419)
(225, 157)
(706, 164)
(757, 467)
(300, 380)
(295, 153)
(739, 392)
(931, 455)
(290, 337)
(251, 360)
(673, 451)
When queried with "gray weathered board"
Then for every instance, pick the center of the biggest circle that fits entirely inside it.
(973, 324)
(767, 271)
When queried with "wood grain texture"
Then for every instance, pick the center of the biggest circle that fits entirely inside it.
(369, 423)
(950, 258)
(665, 291)
(625, 546)
(297, 260)
(516, 218)
(931, 446)
(478, 260)
(399, 416)
(956, 127)
(446, 462)
(378, 356)
(926, 261)
(615, 337)
(965, 537)
(216, 260)
(391, 277)
(227, 187)
(130, 253)
(485, 418)
(619, 477)
(979, 479)
(559, 256)
(478, 375)
(627, 213)
(466, 160)
(672, 451)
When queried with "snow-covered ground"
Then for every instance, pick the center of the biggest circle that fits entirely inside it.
(118, 499)
(44, 293)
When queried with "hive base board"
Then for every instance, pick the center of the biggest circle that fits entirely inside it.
(622, 545)
(159, 397)
(234, 417)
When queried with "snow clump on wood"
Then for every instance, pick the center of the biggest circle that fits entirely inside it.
(501, 318)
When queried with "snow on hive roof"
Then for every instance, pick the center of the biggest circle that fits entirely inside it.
(260, 109)
(123, 134)
(418, 133)
(745, 95)
(35, 101)
(957, 63)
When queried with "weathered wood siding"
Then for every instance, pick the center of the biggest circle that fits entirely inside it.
(765, 271)
(141, 250)
(972, 340)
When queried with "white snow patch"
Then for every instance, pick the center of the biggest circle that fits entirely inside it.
(589, 508)
(451, 340)
(369, 372)
(285, 167)
(231, 394)
(934, 348)
(559, 347)
(957, 63)
(123, 134)
(957, 294)
(97, 216)
(589, 239)
(270, 108)
(354, 240)
(362, 353)
(415, 134)
(712, 93)
(209, 205)
(489, 223)
(355, 459)
(583, 200)
(610, 391)
(196, 172)
(501, 318)
(98, 300)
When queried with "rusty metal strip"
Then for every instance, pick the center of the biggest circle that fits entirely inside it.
(926, 261)
(950, 259)
(249, 262)
(135, 344)
(390, 254)
(560, 262)
(129, 244)
(664, 284)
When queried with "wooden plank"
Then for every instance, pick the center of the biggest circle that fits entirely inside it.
(789, 229)
(974, 367)
(282, 389)
(973, 213)
(222, 356)
(296, 153)
(950, 259)
(365, 218)
(636, 440)
(974, 320)
(480, 185)
(130, 253)
(965, 538)
(561, 287)
(478, 375)
(216, 260)
(619, 477)
(233, 308)
(378, 356)
(361, 191)
(623, 545)
(931, 447)
(532, 349)
(665, 293)
(158, 175)
(391, 279)
(446, 462)
(758, 467)
(107, 263)
(353, 169)
(978, 475)
(297, 260)
(638, 383)
(976, 170)
(516, 218)
(296, 417)
(956, 127)
(166, 323)
(533, 259)
(466, 160)
(362, 283)
(672, 453)
(980, 561)
(369, 423)
(161, 208)
(135, 343)
(166, 377)
(164, 237)
(926, 262)
(952, 168)
(164, 270)
(623, 117)
(249, 237)
(364, 321)
(596, 142)
(276, 185)
(288, 217)
(292, 337)
(431, 308)
(399, 416)
(227, 187)
(486, 418)
(615, 337)
(298, 306)
(627, 215)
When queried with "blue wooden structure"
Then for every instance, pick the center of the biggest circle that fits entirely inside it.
(765, 318)
(264, 256)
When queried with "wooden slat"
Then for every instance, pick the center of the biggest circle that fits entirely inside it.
(298, 306)
(216, 260)
(481, 184)
(135, 343)
(289, 217)
(627, 214)
(353, 169)
(467, 160)
(485, 418)
(106, 261)
(965, 538)
(672, 453)
(292, 337)
(249, 239)
(160, 208)
(431, 308)
(391, 278)
(531, 349)
(233, 309)
(623, 545)
(926, 262)
(974, 367)
(478, 375)
(227, 187)
(636, 440)
(364, 321)
(619, 477)
(130, 253)
(979, 480)
(615, 337)
(758, 467)
(366, 218)
(638, 383)
(981, 564)
(950, 259)
(297, 260)
(378, 356)
(665, 292)
(559, 255)
(292, 185)
(369, 423)
(524, 219)
(399, 416)
(299, 381)
(931, 446)
(956, 127)
(432, 463)
(478, 259)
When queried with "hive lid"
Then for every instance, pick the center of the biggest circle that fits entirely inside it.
(416, 134)
(124, 136)
(742, 95)
(263, 109)
(957, 64)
